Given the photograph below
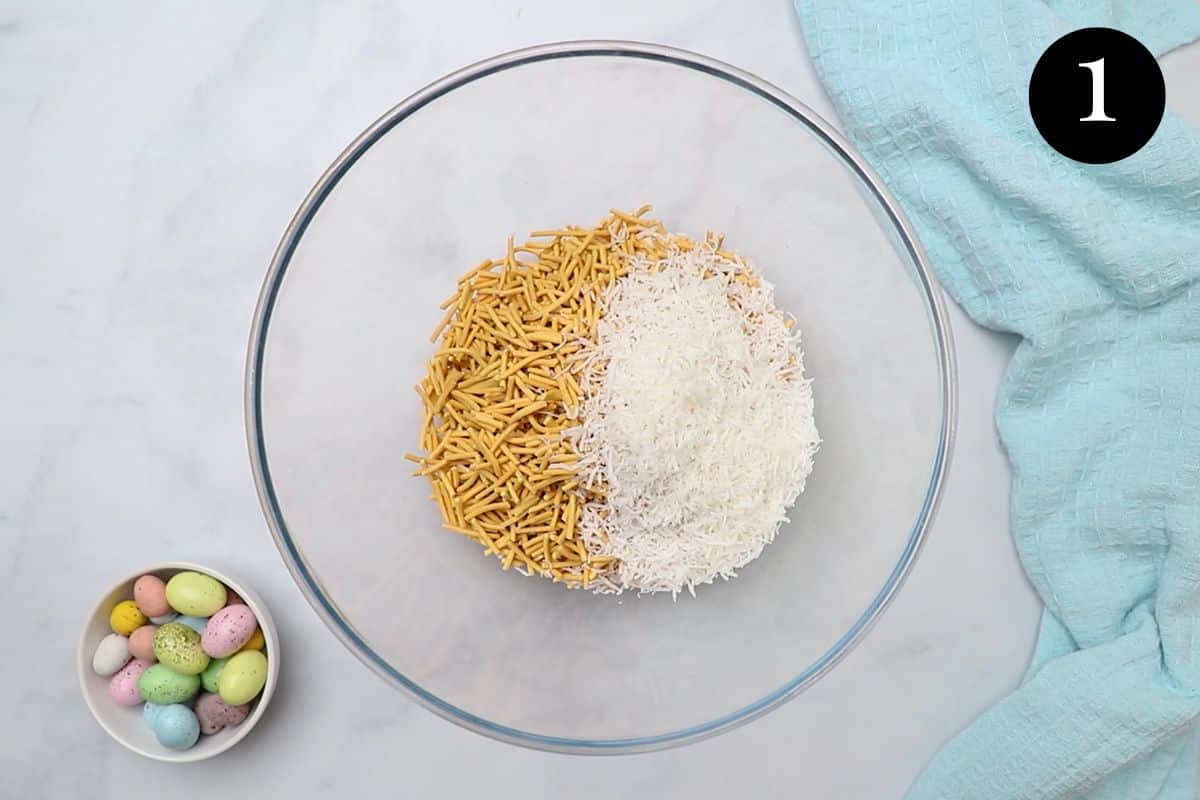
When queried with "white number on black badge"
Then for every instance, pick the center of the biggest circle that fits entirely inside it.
(1097, 69)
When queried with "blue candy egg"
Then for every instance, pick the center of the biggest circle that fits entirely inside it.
(150, 713)
(176, 727)
(195, 623)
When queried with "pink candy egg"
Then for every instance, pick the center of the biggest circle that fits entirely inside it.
(141, 643)
(228, 630)
(232, 599)
(215, 714)
(123, 688)
(150, 595)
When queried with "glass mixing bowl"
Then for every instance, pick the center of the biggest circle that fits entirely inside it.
(535, 139)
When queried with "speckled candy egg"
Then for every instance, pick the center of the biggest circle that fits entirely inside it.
(195, 623)
(111, 654)
(126, 618)
(178, 647)
(215, 714)
(243, 677)
(141, 643)
(195, 595)
(232, 598)
(163, 619)
(150, 595)
(212, 674)
(228, 630)
(161, 685)
(123, 688)
(176, 727)
(150, 712)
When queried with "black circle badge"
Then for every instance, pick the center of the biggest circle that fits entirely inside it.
(1097, 95)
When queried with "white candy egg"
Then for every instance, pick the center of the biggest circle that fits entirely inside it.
(111, 654)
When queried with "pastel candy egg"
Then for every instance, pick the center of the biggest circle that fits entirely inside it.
(111, 654)
(195, 595)
(178, 647)
(228, 630)
(161, 685)
(257, 642)
(150, 595)
(176, 727)
(212, 674)
(163, 619)
(123, 688)
(141, 642)
(232, 598)
(243, 677)
(150, 712)
(126, 618)
(215, 714)
(195, 623)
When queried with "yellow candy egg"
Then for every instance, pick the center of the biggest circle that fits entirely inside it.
(243, 677)
(195, 595)
(126, 618)
(178, 647)
(256, 642)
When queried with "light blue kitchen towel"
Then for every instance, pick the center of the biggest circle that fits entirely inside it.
(1096, 268)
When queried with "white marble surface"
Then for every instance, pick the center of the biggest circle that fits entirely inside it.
(151, 157)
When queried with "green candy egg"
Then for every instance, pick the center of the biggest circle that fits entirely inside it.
(212, 674)
(195, 595)
(162, 686)
(243, 677)
(178, 647)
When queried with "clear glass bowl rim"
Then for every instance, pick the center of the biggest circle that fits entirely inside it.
(304, 574)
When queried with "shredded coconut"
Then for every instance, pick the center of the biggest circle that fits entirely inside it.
(697, 422)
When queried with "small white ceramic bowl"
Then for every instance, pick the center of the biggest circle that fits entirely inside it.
(125, 723)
